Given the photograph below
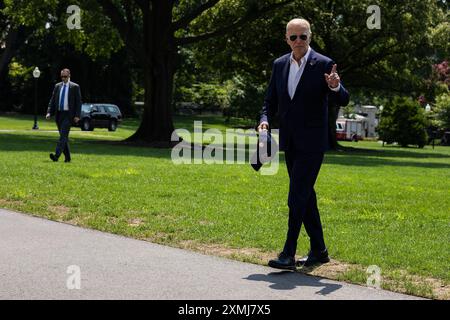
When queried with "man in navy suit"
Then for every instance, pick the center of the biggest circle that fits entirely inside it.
(65, 103)
(300, 86)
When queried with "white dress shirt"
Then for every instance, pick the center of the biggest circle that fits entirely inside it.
(296, 71)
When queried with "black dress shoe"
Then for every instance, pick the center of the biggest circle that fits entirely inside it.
(53, 157)
(283, 261)
(67, 160)
(313, 259)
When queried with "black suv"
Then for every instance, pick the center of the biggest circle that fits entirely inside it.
(99, 115)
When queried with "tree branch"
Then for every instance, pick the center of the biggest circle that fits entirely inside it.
(129, 15)
(370, 60)
(143, 4)
(111, 11)
(184, 21)
(248, 17)
(125, 27)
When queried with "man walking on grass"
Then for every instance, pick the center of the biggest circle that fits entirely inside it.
(301, 84)
(65, 103)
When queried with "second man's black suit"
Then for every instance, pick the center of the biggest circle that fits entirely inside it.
(64, 118)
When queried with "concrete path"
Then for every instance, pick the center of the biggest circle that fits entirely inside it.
(41, 259)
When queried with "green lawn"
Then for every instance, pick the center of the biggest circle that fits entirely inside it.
(384, 206)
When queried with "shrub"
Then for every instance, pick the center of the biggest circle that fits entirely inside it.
(442, 111)
(246, 97)
(403, 121)
(207, 96)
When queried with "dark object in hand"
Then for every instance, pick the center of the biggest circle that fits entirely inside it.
(263, 152)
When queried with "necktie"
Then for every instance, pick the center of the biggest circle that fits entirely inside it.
(61, 99)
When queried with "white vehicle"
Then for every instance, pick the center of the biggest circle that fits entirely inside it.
(349, 129)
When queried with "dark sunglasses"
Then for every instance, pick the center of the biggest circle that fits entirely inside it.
(293, 37)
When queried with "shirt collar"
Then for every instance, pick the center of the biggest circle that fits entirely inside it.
(302, 60)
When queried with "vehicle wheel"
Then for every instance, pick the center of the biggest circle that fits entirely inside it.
(112, 125)
(86, 125)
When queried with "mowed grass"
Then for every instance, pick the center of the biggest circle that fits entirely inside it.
(384, 206)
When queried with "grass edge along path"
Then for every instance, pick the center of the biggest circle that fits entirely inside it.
(393, 280)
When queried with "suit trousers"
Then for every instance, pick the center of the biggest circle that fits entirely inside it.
(303, 169)
(63, 122)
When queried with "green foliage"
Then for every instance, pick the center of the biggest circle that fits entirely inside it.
(440, 36)
(246, 97)
(239, 97)
(414, 34)
(31, 13)
(442, 111)
(18, 71)
(349, 110)
(97, 36)
(208, 96)
(403, 121)
(395, 58)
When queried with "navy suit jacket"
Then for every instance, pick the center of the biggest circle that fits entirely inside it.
(304, 119)
(74, 99)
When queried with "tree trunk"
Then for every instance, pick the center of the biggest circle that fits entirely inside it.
(156, 126)
(11, 44)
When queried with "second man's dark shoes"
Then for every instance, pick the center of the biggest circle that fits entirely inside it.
(53, 157)
(283, 261)
(314, 259)
(67, 160)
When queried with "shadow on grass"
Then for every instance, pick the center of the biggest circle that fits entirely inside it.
(391, 152)
(39, 143)
(371, 161)
(350, 157)
(287, 280)
(187, 122)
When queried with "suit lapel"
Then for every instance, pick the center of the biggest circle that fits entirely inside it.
(285, 75)
(59, 93)
(70, 92)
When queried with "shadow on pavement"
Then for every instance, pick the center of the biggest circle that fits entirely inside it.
(287, 280)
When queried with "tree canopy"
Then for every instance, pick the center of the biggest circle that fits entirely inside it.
(234, 40)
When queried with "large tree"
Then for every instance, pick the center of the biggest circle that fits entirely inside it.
(393, 58)
(12, 37)
(152, 32)
(165, 26)
(44, 40)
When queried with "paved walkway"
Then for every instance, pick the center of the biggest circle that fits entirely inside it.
(40, 259)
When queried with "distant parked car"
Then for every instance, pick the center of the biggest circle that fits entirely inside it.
(99, 115)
